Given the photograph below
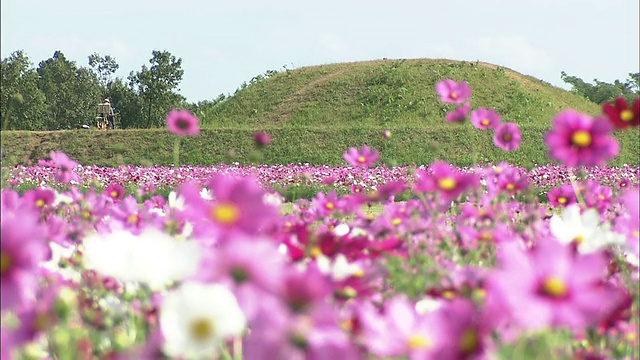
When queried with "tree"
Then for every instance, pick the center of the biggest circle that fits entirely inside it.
(104, 67)
(21, 102)
(128, 104)
(602, 92)
(157, 85)
(71, 93)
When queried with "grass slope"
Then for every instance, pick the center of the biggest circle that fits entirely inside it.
(314, 114)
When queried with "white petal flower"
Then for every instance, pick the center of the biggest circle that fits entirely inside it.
(584, 229)
(153, 257)
(196, 318)
(175, 202)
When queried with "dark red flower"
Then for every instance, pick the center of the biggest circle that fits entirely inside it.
(621, 114)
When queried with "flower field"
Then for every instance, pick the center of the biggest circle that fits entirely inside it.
(187, 262)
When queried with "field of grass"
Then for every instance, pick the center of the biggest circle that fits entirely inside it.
(315, 114)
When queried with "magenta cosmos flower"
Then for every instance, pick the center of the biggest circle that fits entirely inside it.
(578, 139)
(363, 157)
(459, 114)
(64, 167)
(507, 136)
(453, 92)
(555, 287)
(183, 123)
(484, 119)
(445, 179)
(22, 248)
(261, 139)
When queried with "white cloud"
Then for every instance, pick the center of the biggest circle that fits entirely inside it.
(514, 52)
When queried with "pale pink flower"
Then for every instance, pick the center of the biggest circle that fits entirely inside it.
(453, 92)
(363, 157)
(484, 119)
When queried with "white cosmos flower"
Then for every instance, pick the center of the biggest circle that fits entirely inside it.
(153, 257)
(206, 194)
(196, 318)
(175, 202)
(584, 229)
(340, 268)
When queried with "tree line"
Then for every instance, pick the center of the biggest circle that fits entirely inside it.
(59, 94)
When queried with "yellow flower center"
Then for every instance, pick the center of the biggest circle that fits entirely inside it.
(485, 122)
(114, 193)
(510, 186)
(453, 95)
(506, 137)
(626, 115)
(418, 342)
(5, 262)
(554, 287)
(396, 221)
(447, 183)
(349, 292)
(315, 251)
(133, 219)
(201, 329)
(635, 233)
(39, 203)
(480, 293)
(448, 294)
(86, 214)
(362, 159)
(487, 237)
(329, 205)
(581, 138)
(226, 213)
(469, 341)
(578, 239)
(562, 200)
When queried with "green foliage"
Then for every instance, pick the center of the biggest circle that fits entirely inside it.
(156, 85)
(316, 146)
(22, 104)
(69, 102)
(601, 92)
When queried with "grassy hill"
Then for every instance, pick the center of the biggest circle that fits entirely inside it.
(314, 114)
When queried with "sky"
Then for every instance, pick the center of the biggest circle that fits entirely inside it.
(223, 44)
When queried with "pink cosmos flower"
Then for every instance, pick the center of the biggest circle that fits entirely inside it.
(556, 287)
(64, 167)
(183, 123)
(507, 136)
(40, 197)
(363, 157)
(22, 248)
(399, 330)
(459, 114)
(386, 134)
(562, 196)
(445, 179)
(484, 119)
(238, 206)
(261, 139)
(453, 92)
(115, 191)
(578, 139)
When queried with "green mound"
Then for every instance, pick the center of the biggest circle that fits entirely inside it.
(315, 114)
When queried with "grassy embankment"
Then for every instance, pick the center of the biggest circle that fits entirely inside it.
(315, 114)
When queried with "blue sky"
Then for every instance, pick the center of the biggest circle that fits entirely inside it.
(223, 44)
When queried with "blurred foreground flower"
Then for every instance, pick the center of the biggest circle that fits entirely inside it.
(453, 92)
(507, 136)
(364, 156)
(183, 123)
(261, 139)
(484, 119)
(578, 139)
(153, 257)
(196, 318)
(459, 114)
(621, 114)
